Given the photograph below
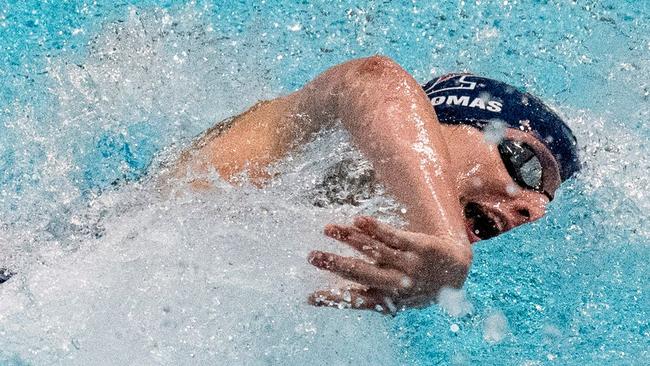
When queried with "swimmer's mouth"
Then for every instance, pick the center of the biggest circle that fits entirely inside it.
(481, 223)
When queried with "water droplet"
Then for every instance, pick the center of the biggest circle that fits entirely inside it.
(453, 302)
(495, 131)
(495, 328)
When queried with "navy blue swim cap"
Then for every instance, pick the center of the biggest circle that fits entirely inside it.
(478, 101)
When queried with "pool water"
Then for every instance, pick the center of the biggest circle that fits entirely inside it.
(110, 272)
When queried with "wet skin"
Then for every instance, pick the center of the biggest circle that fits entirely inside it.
(482, 180)
(450, 178)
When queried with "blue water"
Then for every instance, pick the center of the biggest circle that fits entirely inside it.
(570, 289)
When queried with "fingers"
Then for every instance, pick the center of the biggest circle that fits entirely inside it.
(387, 234)
(358, 240)
(360, 271)
(359, 299)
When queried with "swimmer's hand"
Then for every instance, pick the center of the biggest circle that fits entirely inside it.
(406, 269)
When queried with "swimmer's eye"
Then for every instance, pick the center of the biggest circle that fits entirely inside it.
(523, 165)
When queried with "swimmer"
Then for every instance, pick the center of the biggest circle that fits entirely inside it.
(468, 157)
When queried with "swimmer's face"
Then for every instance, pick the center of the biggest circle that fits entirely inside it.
(497, 190)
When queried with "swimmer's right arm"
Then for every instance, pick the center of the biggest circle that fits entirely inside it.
(391, 121)
(389, 118)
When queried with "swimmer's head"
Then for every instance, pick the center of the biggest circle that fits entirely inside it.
(510, 149)
(483, 103)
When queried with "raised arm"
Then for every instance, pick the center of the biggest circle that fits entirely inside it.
(389, 118)
(391, 121)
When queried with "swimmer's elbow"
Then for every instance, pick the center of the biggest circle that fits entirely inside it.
(355, 86)
(350, 76)
(379, 71)
(378, 66)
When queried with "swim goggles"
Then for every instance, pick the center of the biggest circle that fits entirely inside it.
(525, 167)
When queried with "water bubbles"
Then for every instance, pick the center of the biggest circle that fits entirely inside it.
(524, 125)
(406, 282)
(390, 305)
(551, 332)
(512, 189)
(347, 297)
(453, 301)
(531, 363)
(167, 20)
(306, 328)
(495, 328)
(294, 27)
(487, 33)
(585, 59)
(358, 302)
(485, 96)
(460, 359)
(454, 328)
(178, 59)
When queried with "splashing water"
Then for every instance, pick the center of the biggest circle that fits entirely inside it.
(108, 269)
(133, 277)
(495, 328)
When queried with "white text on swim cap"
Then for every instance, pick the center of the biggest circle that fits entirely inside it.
(492, 105)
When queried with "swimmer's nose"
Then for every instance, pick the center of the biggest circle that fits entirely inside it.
(529, 208)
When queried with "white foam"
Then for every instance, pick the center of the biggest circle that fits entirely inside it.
(453, 301)
(217, 277)
(495, 328)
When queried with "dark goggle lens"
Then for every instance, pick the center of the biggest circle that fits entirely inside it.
(522, 164)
